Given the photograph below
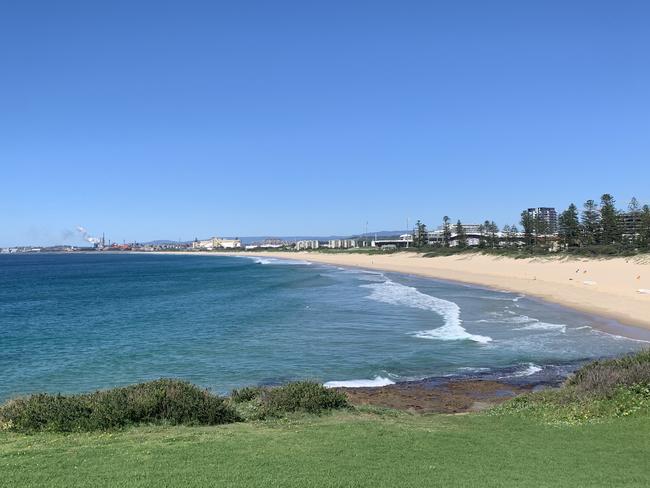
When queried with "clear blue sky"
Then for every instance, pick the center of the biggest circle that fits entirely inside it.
(160, 119)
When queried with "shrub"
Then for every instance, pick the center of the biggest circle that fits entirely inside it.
(247, 393)
(160, 401)
(603, 378)
(301, 396)
(601, 389)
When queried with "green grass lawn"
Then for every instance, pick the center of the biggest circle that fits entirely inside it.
(339, 449)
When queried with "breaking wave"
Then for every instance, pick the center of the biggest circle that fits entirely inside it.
(285, 262)
(530, 370)
(378, 381)
(396, 294)
(544, 326)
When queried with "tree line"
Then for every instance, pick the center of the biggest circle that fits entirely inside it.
(605, 225)
(598, 224)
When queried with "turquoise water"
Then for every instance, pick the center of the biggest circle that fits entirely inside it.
(78, 322)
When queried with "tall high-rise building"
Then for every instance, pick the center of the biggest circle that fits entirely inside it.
(546, 214)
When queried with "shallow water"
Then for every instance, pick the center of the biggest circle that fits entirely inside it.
(77, 322)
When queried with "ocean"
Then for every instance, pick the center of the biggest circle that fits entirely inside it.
(80, 322)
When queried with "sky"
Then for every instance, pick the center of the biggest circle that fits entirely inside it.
(181, 119)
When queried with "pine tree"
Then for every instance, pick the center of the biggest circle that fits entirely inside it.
(513, 237)
(488, 231)
(570, 226)
(591, 233)
(494, 234)
(461, 236)
(507, 234)
(420, 234)
(609, 220)
(634, 217)
(540, 226)
(644, 228)
(528, 226)
(446, 231)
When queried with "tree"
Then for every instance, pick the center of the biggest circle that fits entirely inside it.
(570, 226)
(634, 217)
(633, 207)
(446, 231)
(507, 233)
(540, 226)
(609, 220)
(644, 227)
(461, 235)
(494, 233)
(486, 232)
(421, 236)
(510, 233)
(590, 223)
(528, 224)
(513, 236)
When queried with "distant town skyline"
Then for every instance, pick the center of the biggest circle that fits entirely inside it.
(148, 121)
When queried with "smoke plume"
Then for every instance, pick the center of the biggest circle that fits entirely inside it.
(87, 237)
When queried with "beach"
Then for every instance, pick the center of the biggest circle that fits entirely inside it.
(616, 288)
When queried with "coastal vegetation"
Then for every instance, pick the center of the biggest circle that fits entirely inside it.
(598, 391)
(599, 229)
(312, 438)
(255, 403)
(164, 401)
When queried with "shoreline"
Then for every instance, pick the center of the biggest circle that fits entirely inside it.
(603, 289)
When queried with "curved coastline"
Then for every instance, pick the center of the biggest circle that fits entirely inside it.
(614, 305)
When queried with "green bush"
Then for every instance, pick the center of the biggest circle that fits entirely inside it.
(247, 393)
(160, 401)
(604, 378)
(599, 390)
(302, 396)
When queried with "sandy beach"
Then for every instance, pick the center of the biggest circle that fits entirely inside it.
(617, 288)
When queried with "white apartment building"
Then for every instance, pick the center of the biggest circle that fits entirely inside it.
(216, 243)
(342, 243)
(300, 245)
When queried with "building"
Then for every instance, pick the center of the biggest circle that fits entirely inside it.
(405, 240)
(306, 245)
(216, 243)
(473, 234)
(342, 243)
(547, 215)
(271, 243)
(629, 223)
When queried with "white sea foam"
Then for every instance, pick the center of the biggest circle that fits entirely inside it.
(516, 319)
(544, 326)
(396, 294)
(530, 370)
(285, 262)
(504, 299)
(470, 369)
(378, 381)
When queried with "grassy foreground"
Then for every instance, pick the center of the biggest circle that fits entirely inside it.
(344, 448)
(594, 431)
